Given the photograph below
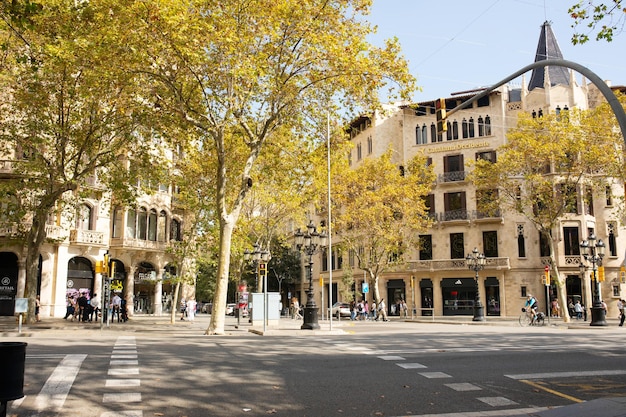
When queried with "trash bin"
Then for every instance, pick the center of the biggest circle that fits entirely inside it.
(12, 358)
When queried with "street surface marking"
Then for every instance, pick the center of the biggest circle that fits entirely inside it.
(496, 401)
(463, 386)
(124, 356)
(122, 397)
(567, 374)
(432, 375)
(54, 392)
(391, 358)
(122, 383)
(494, 413)
(413, 365)
(119, 362)
(127, 413)
(123, 371)
(551, 391)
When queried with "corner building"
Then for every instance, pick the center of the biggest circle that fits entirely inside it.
(436, 279)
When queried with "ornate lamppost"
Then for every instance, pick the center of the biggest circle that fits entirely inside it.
(476, 262)
(309, 243)
(593, 251)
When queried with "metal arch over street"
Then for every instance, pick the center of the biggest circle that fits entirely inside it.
(597, 81)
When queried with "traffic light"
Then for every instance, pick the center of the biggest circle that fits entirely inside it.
(547, 274)
(440, 110)
(600, 274)
(622, 275)
(262, 269)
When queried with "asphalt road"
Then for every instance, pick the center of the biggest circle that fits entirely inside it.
(370, 369)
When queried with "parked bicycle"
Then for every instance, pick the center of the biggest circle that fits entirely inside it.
(527, 319)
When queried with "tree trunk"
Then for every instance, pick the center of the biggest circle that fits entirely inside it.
(216, 325)
(34, 240)
(561, 289)
(174, 311)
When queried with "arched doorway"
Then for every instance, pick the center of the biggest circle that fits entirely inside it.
(145, 278)
(8, 283)
(169, 286)
(80, 277)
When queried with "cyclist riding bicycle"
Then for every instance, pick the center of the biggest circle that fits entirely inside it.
(531, 306)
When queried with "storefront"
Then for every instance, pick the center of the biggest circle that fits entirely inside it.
(395, 294)
(458, 296)
(8, 283)
(426, 290)
(492, 291)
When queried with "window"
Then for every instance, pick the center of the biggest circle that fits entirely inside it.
(359, 152)
(117, 222)
(84, 217)
(471, 127)
(481, 126)
(568, 195)
(131, 223)
(465, 129)
(324, 264)
(486, 203)
(612, 227)
(162, 227)
(544, 245)
(418, 135)
(370, 145)
(521, 242)
(429, 202)
(609, 196)
(424, 134)
(425, 247)
(589, 201)
(571, 241)
(490, 244)
(454, 205)
(455, 130)
(352, 258)
(486, 156)
(457, 246)
(176, 232)
(152, 225)
(449, 131)
(433, 133)
(142, 223)
(483, 102)
(453, 168)
(487, 126)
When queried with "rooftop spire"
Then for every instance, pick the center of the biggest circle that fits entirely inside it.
(548, 48)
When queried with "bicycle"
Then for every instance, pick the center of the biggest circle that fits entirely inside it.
(526, 318)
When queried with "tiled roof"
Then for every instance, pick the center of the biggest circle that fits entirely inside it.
(548, 48)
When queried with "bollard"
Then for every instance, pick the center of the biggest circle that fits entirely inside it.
(12, 358)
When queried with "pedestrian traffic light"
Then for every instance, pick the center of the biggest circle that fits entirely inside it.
(600, 274)
(547, 275)
(440, 110)
(262, 268)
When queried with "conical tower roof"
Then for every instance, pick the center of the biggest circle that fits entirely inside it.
(548, 48)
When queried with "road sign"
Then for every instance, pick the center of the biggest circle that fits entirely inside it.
(365, 288)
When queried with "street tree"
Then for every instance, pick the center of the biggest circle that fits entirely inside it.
(237, 71)
(550, 168)
(380, 210)
(73, 118)
(606, 18)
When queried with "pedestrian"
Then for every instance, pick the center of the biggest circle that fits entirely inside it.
(83, 304)
(191, 309)
(382, 310)
(352, 310)
(604, 307)
(405, 309)
(183, 308)
(373, 311)
(578, 309)
(555, 309)
(296, 308)
(37, 307)
(621, 306)
(366, 311)
(116, 305)
(95, 307)
(69, 307)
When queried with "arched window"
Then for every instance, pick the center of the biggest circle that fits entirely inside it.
(117, 222)
(487, 126)
(455, 130)
(481, 126)
(471, 127)
(424, 134)
(162, 227)
(152, 225)
(449, 131)
(131, 223)
(142, 223)
(176, 232)
(418, 135)
(465, 129)
(433, 133)
(84, 220)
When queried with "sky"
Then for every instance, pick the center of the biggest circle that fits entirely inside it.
(460, 45)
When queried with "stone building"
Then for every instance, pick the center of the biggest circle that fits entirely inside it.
(436, 278)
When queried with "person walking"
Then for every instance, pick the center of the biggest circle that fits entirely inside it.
(296, 308)
(183, 308)
(95, 307)
(382, 310)
(621, 308)
(191, 309)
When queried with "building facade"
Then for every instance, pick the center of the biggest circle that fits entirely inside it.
(436, 279)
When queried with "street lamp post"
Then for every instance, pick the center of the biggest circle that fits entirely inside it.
(593, 251)
(309, 243)
(476, 262)
(259, 257)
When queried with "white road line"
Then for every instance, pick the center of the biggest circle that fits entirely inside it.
(494, 413)
(433, 375)
(413, 365)
(463, 386)
(391, 358)
(497, 401)
(122, 383)
(127, 413)
(54, 392)
(123, 371)
(124, 356)
(130, 362)
(567, 374)
(122, 397)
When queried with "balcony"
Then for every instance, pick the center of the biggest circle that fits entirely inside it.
(139, 244)
(456, 264)
(86, 237)
(454, 215)
(54, 232)
(8, 229)
(452, 176)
